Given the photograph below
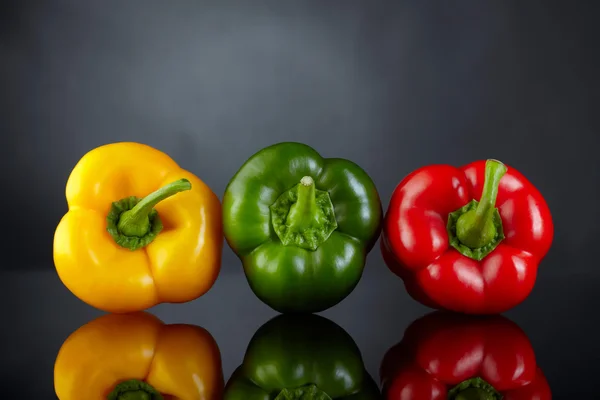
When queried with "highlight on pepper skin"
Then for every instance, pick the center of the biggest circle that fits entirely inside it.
(301, 357)
(302, 225)
(136, 356)
(467, 239)
(139, 231)
(461, 357)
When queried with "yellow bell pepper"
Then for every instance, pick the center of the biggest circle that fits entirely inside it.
(139, 231)
(136, 357)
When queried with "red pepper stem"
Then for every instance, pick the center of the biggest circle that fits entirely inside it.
(476, 228)
(471, 394)
(474, 389)
(494, 171)
(135, 222)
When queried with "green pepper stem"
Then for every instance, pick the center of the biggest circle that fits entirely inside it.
(303, 216)
(135, 222)
(134, 390)
(310, 391)
(475, 228)
(304, 212)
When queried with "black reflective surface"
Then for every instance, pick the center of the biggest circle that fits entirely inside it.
(559, 318)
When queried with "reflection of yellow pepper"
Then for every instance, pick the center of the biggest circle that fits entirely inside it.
(136, 357)
(166, 248)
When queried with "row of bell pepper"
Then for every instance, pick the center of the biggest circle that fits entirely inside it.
(141, 231)
(308, 357)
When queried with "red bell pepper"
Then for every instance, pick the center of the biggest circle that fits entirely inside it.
(467, 239)
(461, 357)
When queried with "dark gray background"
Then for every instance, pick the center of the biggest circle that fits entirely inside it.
(389, 85)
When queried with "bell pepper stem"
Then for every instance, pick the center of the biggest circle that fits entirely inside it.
(303, 216)
(476, 228)
(307, 392)
(134, 390)
(494, 171)
(472, 394)
(474, 389)
(137, 395)
(304, 211)
(136, 222)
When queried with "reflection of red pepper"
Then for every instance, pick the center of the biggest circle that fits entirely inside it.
(459, 357)
(454, 252)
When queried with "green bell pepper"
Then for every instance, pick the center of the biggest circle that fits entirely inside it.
(301, 357)
(302, 226)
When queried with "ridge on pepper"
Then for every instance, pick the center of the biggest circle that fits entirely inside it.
(467, 239)
(302, 226)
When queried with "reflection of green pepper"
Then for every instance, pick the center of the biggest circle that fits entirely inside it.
(302, 226)
(306, 357)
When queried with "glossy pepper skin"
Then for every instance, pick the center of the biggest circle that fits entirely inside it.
(467, 239)
(304, 357)
(302, 226)
(136, 357)
(460, 357)
(169, 250)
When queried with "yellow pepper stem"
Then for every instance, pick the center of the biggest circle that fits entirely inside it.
(137, 395)
(134, 390)
(134, 223)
